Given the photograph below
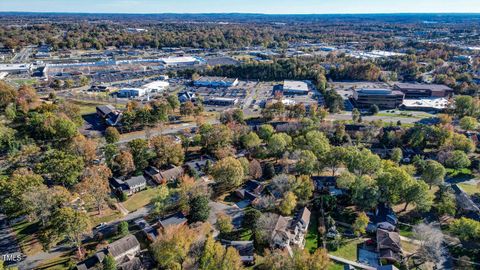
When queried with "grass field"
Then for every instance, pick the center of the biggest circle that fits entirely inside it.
(311, 239)
(348, 249)
(26, 235)
(470, 189)
(335, 266)
(108, 215)
(89, 107)
(140, 199)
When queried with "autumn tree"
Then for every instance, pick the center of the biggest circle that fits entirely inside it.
(84, 147)
(255, 169)
(14, 187)
(140, 153)
(160, 200)
(288, 203)
(300, 259)
(94, 185)
(468, 123)
(360, 224)
(251, 141)
(168, 152)
(224, 223)
(61, 167)
(71, 225)
(213, 137)
(265, 132)
(41, 202)
(112, 135)
(172, 246)
(123, 163)
(215, 256)
(228, 173)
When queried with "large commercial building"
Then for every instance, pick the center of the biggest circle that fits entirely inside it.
(221, 101)
(416, 90)
(153, 87)
(182, 61)
(131, 92)
(295, 88)
(383, 98)
(215, 82)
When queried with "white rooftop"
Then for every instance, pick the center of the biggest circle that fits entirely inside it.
(434, 103)
(295, 85)
(176, 60)
(156, 85)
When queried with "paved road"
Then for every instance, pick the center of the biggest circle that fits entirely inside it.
(8, 243)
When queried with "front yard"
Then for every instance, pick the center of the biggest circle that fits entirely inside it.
(348, 249)
(470, 189)
(26, 235)
(140, 199)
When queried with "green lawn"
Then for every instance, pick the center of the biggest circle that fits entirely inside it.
(335, 266)
(405, 231)
(348, 249)
(469, 188)
(140, 199)
(452, 173)
(26, 235)
(108, 215)
(311, 239)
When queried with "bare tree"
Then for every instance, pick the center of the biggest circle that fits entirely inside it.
(431, 243)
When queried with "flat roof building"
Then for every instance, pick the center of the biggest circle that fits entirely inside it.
(156, 86)
(132, 92)
(383, 98)
(215, 82)
(295, 88)
(221, 101)
(181, 61)
(417, 90)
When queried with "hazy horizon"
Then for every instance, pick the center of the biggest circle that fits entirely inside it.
(267, 7)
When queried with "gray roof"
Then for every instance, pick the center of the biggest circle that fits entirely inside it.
(123, 245)
(175, 219)
(135, 181)
(106, 109)
(431, 87)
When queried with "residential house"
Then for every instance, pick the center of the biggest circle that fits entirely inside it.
(290, 232)
(109, 114)
(244, 248)
(124, 252)
(383, 213)
(150, 232)
(177, 219)
(129, 186)
(251, 190)
(389, 246)
(124, 249)
(161, 177)
(327, 184)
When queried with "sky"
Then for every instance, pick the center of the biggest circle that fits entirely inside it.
(244, 6)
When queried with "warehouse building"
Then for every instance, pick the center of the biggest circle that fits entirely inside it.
(215, 82)
(417, 90)
(383, 98)
(295, 88)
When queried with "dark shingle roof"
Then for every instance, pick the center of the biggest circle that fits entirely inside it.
(122, 245)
